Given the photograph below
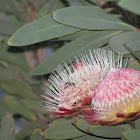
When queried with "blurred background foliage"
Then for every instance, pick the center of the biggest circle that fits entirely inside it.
(20, 91)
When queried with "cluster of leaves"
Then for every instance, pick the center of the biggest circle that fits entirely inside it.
(74, 129)
(20, 99)
(7, 131)
(19, 94)
(84, 27)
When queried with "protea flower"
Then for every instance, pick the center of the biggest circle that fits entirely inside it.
(98, 81)
(116, 98)
(71, 88)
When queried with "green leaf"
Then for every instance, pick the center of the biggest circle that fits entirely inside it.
(92, 18)
(137, 123)
(130, 39)
(5, 74)
(6, 29)
(34, 105)
(91, 41)
(36, 134)
(7, 131)
(40, 30)
(75, 35)
(62, 129)
(4, 108)
(89, 137)
(96, 2)
(132, 56)
(109, 131)
(51, 5)
(14, 56)
(134, 65)
(11, 72)
(130, 5)
(18, 108)
(133, 134)
(100, 130)
(18, 88)
(132, 53)
(84, 125)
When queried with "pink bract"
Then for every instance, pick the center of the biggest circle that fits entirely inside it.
(116, 99)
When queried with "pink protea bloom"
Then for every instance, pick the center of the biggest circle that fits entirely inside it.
(71, 88)
(116, 98)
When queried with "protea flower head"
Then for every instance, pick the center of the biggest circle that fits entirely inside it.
(116, 98)
(71, 88)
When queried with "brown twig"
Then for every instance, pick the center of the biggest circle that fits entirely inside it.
(30, 55)
(132, 124)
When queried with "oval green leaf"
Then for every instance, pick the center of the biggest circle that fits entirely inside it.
(130, 5)
(36, 134)
(84, 125)
(43, 29)
(19, 109)
(35, 105)
(3, 108)
(92, 18)
(7, 131)
(91, 41)
(109, 131)
(62, 129)
(130, 39)
(18, 88)
(133, 134)
(137, 123)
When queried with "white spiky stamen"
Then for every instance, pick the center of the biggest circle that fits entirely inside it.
(68, 85)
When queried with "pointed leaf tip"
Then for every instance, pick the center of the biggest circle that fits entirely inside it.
(36, 134)
(42, 29)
